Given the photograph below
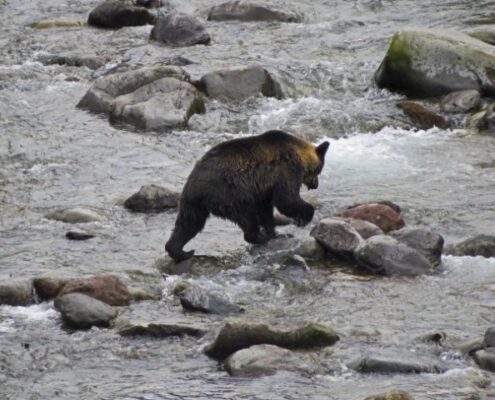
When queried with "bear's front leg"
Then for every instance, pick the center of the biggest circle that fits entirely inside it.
(290, 204)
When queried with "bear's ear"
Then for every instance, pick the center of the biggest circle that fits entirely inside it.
(321, 150)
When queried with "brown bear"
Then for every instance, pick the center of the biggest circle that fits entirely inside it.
(243, 180)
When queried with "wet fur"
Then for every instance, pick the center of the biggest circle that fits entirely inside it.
(242, 180)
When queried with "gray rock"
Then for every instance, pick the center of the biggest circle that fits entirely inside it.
(337, 236)
(161, 330)
(239, 84)
(73, 60)
(115, 14)
(81, 311)
(196, 299)
(386, 255)
(392, 395)
(248, 11)
(482, 122)
(395, 363)
(179, 30)
(481, 245)
(461, 101)
(265, 360)
(490, 337)
(74, 215)
(78, 235)
(485, 358)
(99, 98)
(310, 250)
(428, 243)
(16, 292)
(432, 62)
(152, 198)
(365, 229)
(235, 336)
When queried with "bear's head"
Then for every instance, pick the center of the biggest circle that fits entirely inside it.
(315, 165)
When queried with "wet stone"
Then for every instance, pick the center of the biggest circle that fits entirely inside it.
(461, 101)
(406, 363)
(79, 235)
(16, 292)
(195, 298)
(490, 337)
(161, 330)
(152, 198)
(383, 215)
(48, 288)
(81, 311)
(73, 60)
(238, 84)
(422, 117)
(177, 29)
(74, 215)
(481, 245)
(106, 288)
(142, 295)
(427, 242)
(365, 229)
(485, 358)
(337, 236)
(115, 14)
(249, 11)
(265, 360)
(196, 266)
(386, 255)
(392, 395)
(235, 336)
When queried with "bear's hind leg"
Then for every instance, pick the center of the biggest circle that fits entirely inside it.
(186, 227)
(267, 220)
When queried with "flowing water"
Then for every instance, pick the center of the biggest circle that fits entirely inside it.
(53, 155)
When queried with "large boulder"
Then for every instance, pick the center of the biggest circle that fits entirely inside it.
(238, 84)
(152, 198)
(150, 98)
(386, 255)
(115, 14)
(235, 336)
(106, 288)
(383, 215)
(337, 236)
(428, 243)
(16, 292)
(194, 298)
(81, 311)
(177, 29)
(432, 62)
(265, 360)
(392, 395)
(480, 245)
(249, 11)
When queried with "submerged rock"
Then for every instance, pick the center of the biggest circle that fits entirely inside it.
(483, 122)
(386, 255)
(265, 360)
(432, 62)
(337, 236)
(48, 288)
(421, 117)
(81, 311)
(57, 24)
(485, 35)
(16, 292)
(196, 299)
(485, 358)
(74, 215)
(428, 243)
(115, 14)
(160, 330)
(179, 29)
(395, 364)
(152, 198)
(239, 84)
(106, 288)
(392, 395)
(461, 101)
(235, 336)
(197, 265)
(481, 245)
(73, 60)
(249, 11)
(381, 214)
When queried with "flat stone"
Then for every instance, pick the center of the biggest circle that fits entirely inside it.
(152, 198)
(81, 311)
(394, 364)
(249, 11)
(74, 215)
(73, 60)
(161, 330)
(79, 235)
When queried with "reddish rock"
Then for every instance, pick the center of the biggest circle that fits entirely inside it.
(382, 215)
(48, 288)
(107, 288)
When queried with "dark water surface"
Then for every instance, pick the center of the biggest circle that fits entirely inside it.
(53, 155)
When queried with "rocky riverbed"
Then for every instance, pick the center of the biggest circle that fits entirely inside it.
(387, 294)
